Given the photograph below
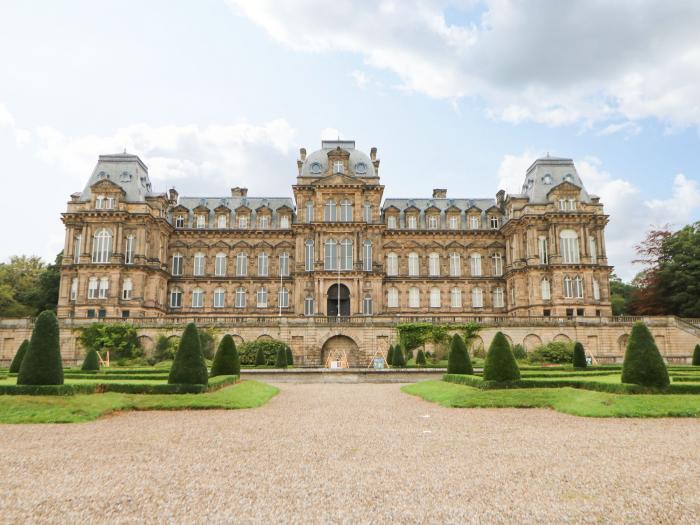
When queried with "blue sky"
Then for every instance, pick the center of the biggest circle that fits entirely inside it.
(457, 94)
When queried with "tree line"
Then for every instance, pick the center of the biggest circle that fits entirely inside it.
(28, 286)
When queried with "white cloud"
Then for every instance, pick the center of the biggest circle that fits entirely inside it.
(361, 79)
(7, 120)
(554, 63)
(630, 215)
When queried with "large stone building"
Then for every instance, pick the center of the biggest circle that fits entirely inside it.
(339, 266)
(339, 248)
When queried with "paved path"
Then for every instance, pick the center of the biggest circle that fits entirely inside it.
(352, 453)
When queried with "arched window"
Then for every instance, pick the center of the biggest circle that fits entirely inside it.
(283, 298)
(413, 270)
(263, 265)
(262, 298)
(177, 264)
(102, 246)
(367, 305)
(309, 255)
(477, 298)
(578, 287)
(475, 263)
(240, 298)
(284, 264)
(241, 265)
(413, 298)
(497, 259)
(127, 287)
(545, 290)
(175, 298)
(219, 298)
(435, 298)
(309, 211)
(197, 298)
(220, 265)
(198, 269)
(456, 298)
(345, 210)
(129, 252)
(596, 290)
(455, 265)
(329, 211)
(547, 179)
(392, 298)
(498, 298)
(434, 265)
(568, 288)
(568, 177)
(367, 256)
(330, 255)
(392, 264)
(569, 247)
(346, 254)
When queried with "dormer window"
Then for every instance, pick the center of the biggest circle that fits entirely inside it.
(99, 202)
(432, 222)
(179, 221)
(493, 221)
(474, 222)
(567, 204)
(360, 167)
(264, 222)
(547, 179)
(568, 177)
(391, 222)
(102, 175)
(453, 222)
(243, 222)
(284, 222)
(201, 221)
(125, 177)
(221, 222)
(338, 166)
(412, 222)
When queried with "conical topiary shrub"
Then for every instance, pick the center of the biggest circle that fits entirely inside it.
(19, 356)
(500, 363)
(226, 361)
(696, 355)
(290, 357)
(92, 361)
(390, 355)
(281, 361)
(579, 356)
(42, 363)
(643, 364)
(260, 359)
(420, 358)
(458, 361)
(398, 357)
(189, 367)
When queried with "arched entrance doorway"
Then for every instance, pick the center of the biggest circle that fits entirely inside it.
(338, 301)
(340, 347)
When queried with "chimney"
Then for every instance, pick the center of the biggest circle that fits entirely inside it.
(239, 192)
(439, 193)
(302, 154)
(373, 154)
(173, 195)
(500, 198)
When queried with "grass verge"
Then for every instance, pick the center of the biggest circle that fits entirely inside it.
(80, 408)
(572, 401)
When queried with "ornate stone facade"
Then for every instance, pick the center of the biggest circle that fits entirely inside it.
(336, 249)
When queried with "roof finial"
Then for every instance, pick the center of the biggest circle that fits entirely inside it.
(124, 151)
(548, 154)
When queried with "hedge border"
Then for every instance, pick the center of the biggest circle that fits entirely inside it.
(215, 384)
(611, 388)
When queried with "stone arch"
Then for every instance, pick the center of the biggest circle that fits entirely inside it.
(562, 338)
(237, 339)
(477, 346)
(509, 339)
(146, 342)
(264, 337)
(341, 343)
(622, 343)
(531, 342)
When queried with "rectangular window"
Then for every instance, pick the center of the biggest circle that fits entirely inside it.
(454, 222)
(474, 222)
(177, 264)
(392, 299)
(498, 298)
(76, 249)
(243, 222)
(179, 221)
(284, 264)
(74, 289)
(263, 265)
(432, 222)
(367, 212)
(475, 265)
(197, 299)
(392, 265)
(596, 290)
(309, 306)
(456, 298)
(477, 298)
(493, 221)
(221, 222)
(413, 270)
(391, 222)
(412, 222)
(220, 265)
(568, 288)
(201, 221)
(497, 265)
(542, 250)
(309, 256)
(455, 265)
(262, 298)
(434, 265)
(219, 298)
(434, 298)
(241, 265)
(198, 265)
(346, 255)
(367, 305)
(127, 289)
(129, 258)
(240, 298)
(104, 287)
(367, 256)
(263, 222)
(91, 313)
(283, 298)
(593, 249)
(413, 298)
(309, 211)
(284, 222)
(176, 298)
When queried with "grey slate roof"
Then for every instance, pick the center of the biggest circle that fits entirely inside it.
(441, 204)
(125, 170)
(558, 169)
(234, 202)
(320, 158)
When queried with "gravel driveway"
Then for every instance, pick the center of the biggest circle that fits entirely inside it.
(352, 453)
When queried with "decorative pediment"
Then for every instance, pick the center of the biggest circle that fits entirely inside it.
(412, 209)
(222, 208)
(453, 209)
(221, 244)
(392, 245)
(242, 209)
(283, 208)
(180, 209)
(392, 209)
(495, 245)
(494, 209)
(454, 245)
(199, 244)
(474, 209)
(338, 179)
(241, 244)
(263, 244)
(107, 186)
(179, 244)
(565, 187)
(202, 208)
(284, 244)
(432, 210)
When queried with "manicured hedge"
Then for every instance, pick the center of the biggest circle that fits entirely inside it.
(19, 356)
(260, 353)
(91, 362)
(458, 361)
(226, 360)
(281, 360)
(398, 358)
(117, 378)
(47, 390)
(42, 363)
(420, 358)
(579, 360)
(189, 367)
(696, 356)
(612, 388)
(643, 364)
(500, 363)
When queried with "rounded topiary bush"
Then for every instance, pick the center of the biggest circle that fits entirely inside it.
(579, 360)
(390, 355)
(260, 357)
(398, 357)
(19, 356)
(420, 358)
(91, 361)
(226, 360)
(42, 363)
(290, 356)
(500, 363)
(281, 361)
(189, 367)
(643, 364)
(458, 361)
(696, 355)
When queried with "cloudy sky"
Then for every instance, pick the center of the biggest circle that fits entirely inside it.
(459, 94)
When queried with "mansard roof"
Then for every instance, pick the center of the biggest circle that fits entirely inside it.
(316, 163)
(233, 203)
(546, 173)
(440, 204)
(126, 171)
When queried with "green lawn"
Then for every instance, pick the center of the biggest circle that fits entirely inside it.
(79, 408)
(568, 400)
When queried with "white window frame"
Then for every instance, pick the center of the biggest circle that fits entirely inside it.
(413, 265)
(456, 298)
(494, 222)
(413, 297)
(77, 246)
(435, 298)
(179, 221)
(102, 246)
(434, 265)
(568, 287)
(330, 255)
(201, 221)
(593, 249)
(391, 222)
(367, 306)
(455, 264)
(93, 287)
(412, 222)
(346, 210)
(309, 306)
(129, 252)
(474, 222)
(596, 290)
(261, 298)
(264, 222)
(240, 298)
(542, 249)
(220, 265)
(392, 298)
(545, 290)
(284, 264)
(329, 211)
(219, 300)
(578, 287)
(346, 254)
(498, 298)
(242, 222)
(367, 212)
(433, 222)
(284, 222)
(283, 297)
(477, 298)
(221, 221)
(475, 264)
(453, 222)
(103, 291)
(392, 264)
(569, 247)
(197, 298)
(263, 265)
(127, 289)
(242, 264)
(198, 264)
(175, 298)
(74, 289)
(309, 255)
(177, 267)
(497, 264)
(367, 256)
